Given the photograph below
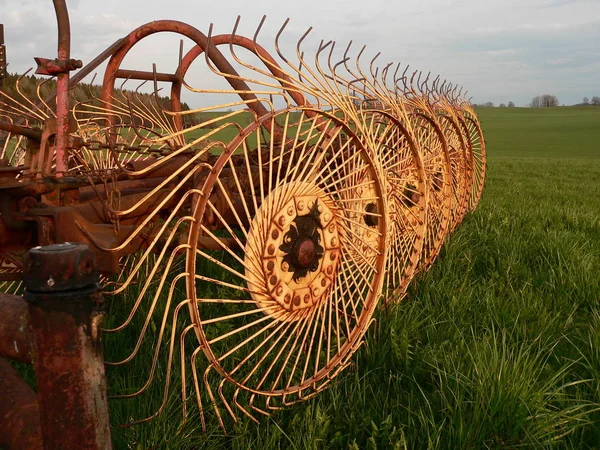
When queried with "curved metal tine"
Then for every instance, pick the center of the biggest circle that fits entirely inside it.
(401, 91)
(343, 98)
(350, 89)
(258, 53)
(318, 85)
(250, 94)
(434, 86)
(38, 94)
(357, 78)
(36, 113)
(423, 87)
(346, 98)
(303, 81)
(380, 82)
(332, 92)
(286, 78)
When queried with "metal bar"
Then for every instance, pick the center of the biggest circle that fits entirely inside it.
(19, 412)
(144, 75)
(61, 287)
(2, 55)
(62, 87)
(30, 133)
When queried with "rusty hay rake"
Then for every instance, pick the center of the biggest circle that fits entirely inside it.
(254, 238)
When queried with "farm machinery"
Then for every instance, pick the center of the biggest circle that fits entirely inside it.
(250, 246)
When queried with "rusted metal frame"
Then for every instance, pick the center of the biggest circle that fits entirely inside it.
(65, 311)
(15, 336)
(30, 133)
(143, 75)
(57, 329)
(62, 87)
(2, 55)
(19, 409)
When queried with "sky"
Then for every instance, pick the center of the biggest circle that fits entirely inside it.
(499, 51)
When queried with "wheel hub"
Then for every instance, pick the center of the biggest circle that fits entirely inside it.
(301, 254)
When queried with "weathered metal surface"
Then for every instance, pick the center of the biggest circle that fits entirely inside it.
(2, 55)
(19, 412)
(15, 335)
(65, 315)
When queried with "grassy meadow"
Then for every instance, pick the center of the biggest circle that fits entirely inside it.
(498, 346)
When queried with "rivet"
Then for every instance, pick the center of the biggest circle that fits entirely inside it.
(332, 256)
(285, 266)
(331, 228)
(50, 281)
(300, 205)
(326, 217)
(329, 270)
(315, 292)
(287, 298)
(306, 298)
(290, 211)
(275, 234)
(273, 280)
(281, 221)
(323, 282)
(271, 249)
(334, 241)
(279, 290)
(297, 301)
(270, 266)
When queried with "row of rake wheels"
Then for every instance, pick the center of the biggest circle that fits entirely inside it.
(284, 238)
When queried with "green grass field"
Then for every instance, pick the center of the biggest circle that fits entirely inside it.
(498, 346)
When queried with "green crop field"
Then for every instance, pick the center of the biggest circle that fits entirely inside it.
(498, 346)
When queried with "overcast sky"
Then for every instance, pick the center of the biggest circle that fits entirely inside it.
(500, 51)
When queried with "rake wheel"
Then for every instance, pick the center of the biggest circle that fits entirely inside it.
(436, 162)
(457, 152)
(404, 177)
(479, 157)
(282, 307)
